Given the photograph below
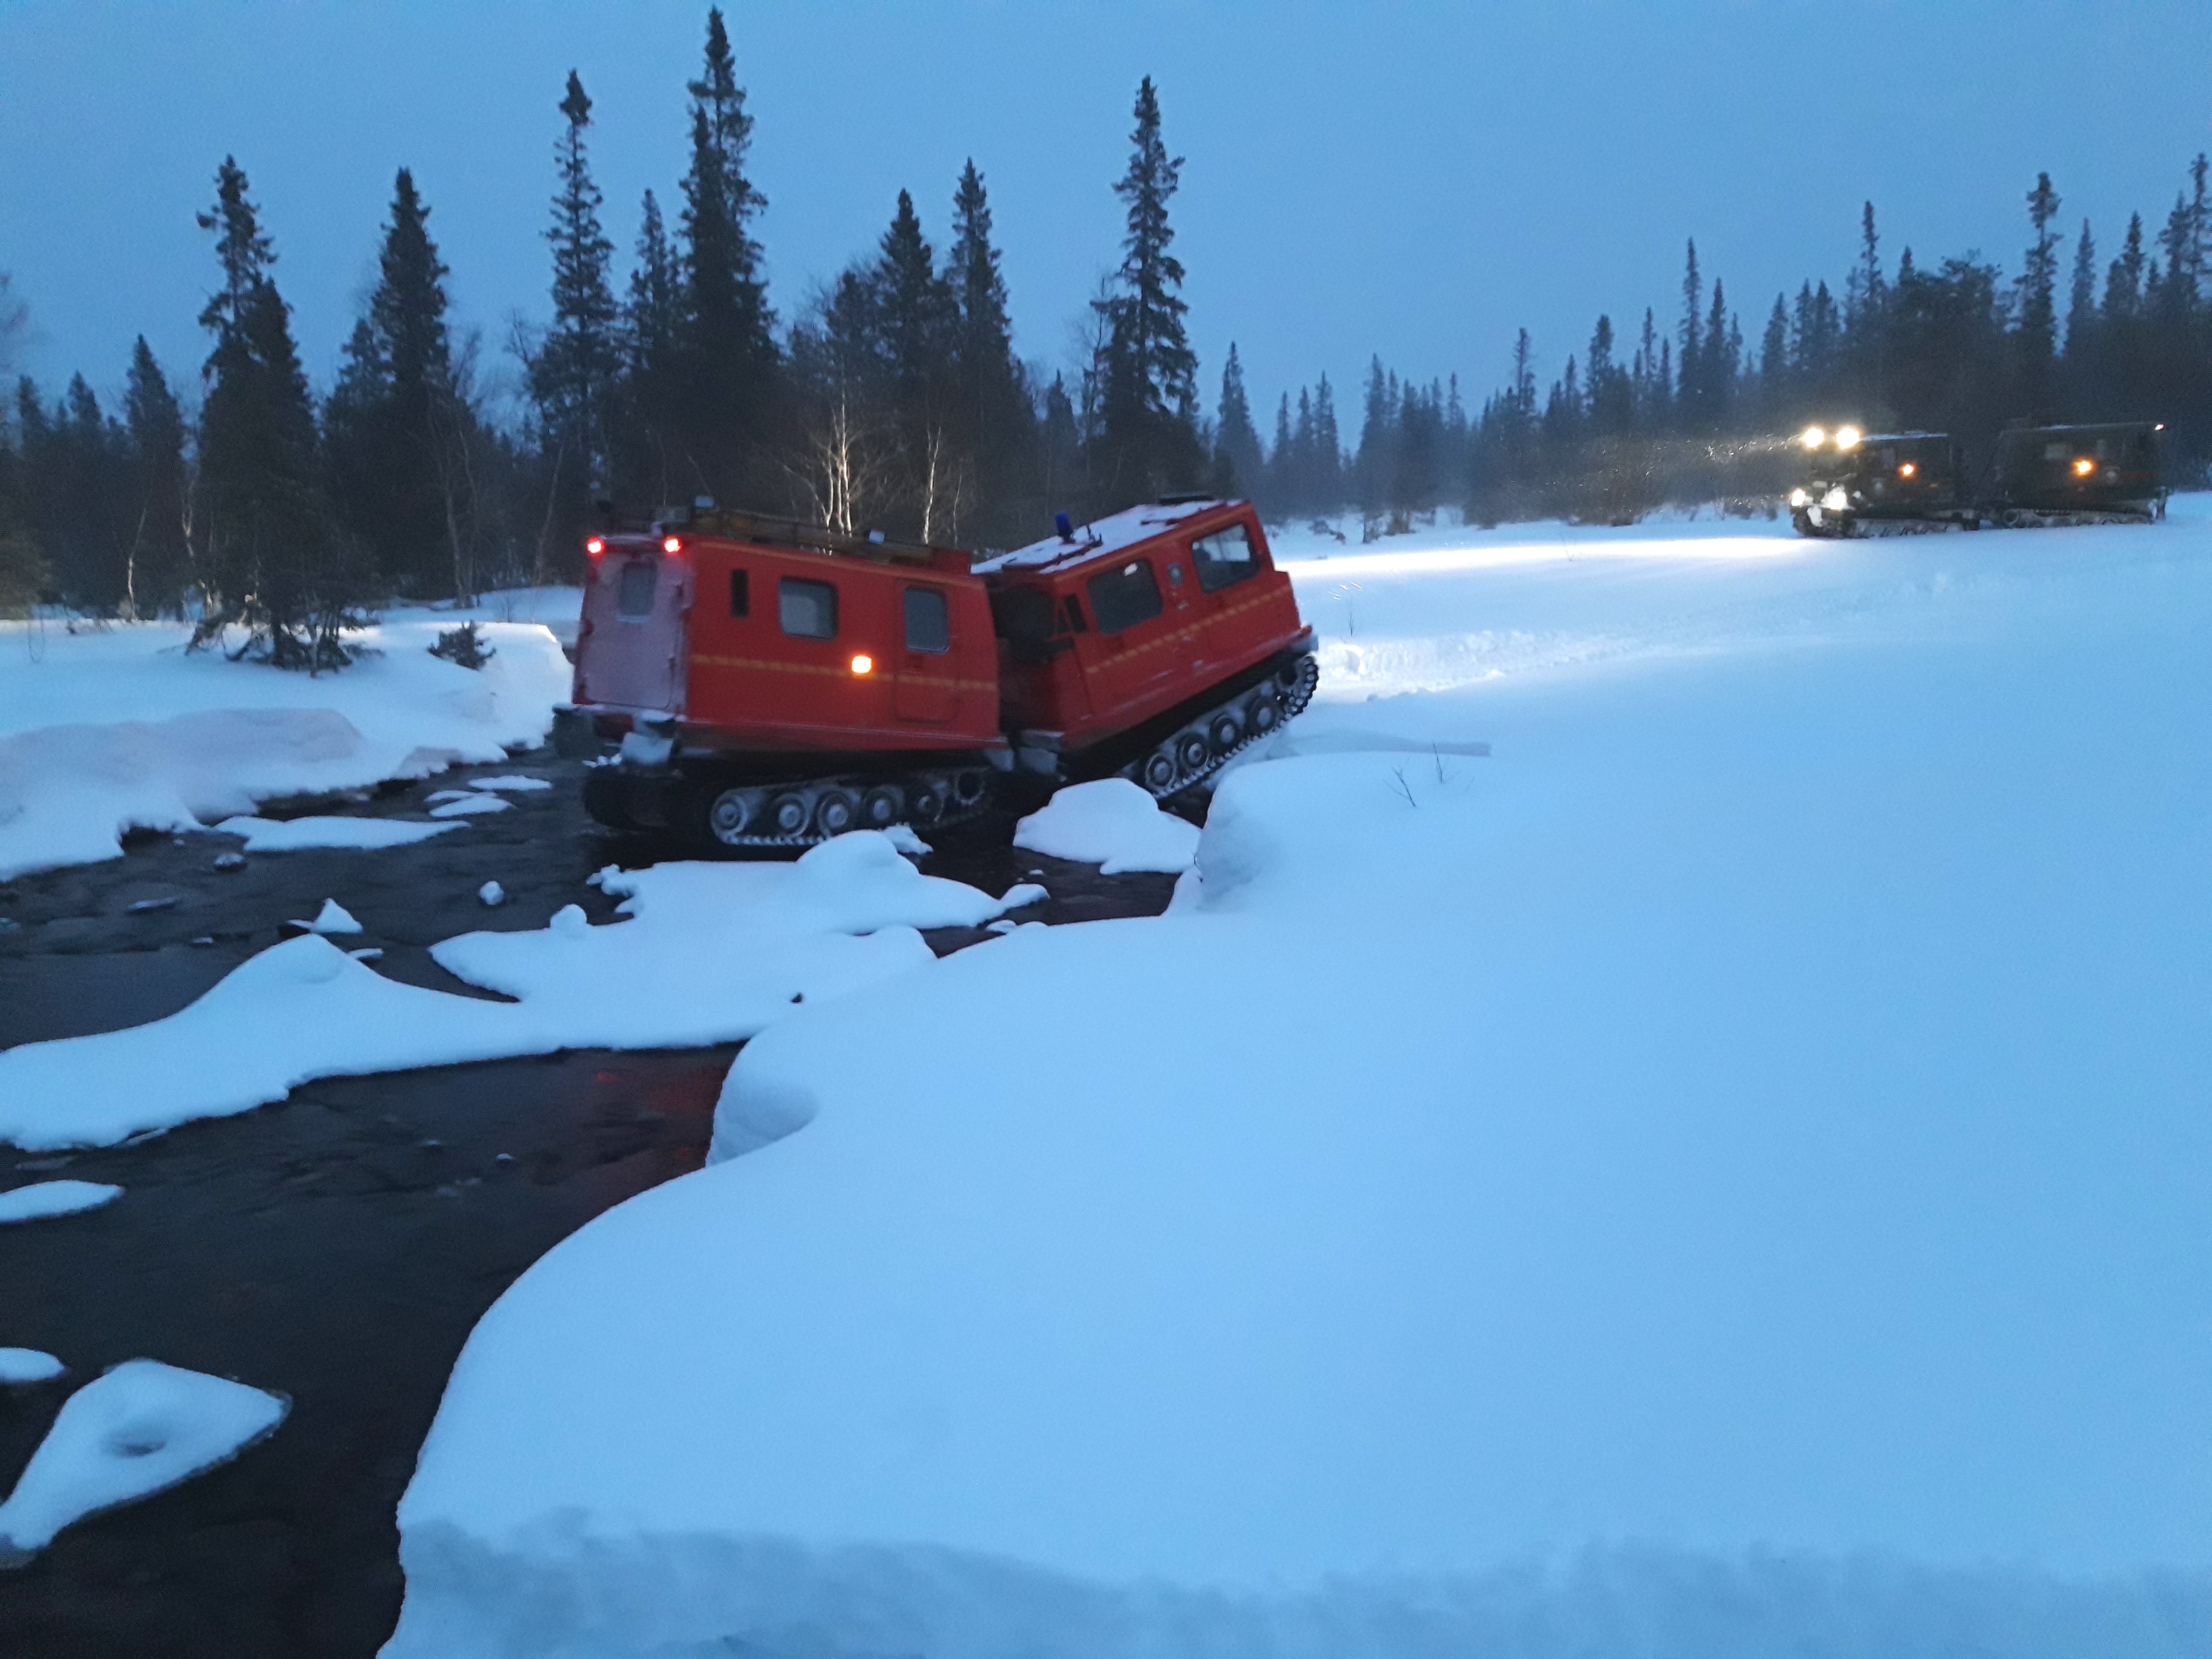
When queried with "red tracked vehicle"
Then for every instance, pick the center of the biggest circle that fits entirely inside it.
(773, 683)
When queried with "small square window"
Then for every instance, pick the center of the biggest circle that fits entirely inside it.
(807, 610)
(741, 597)
(633, 599)
(1224, 558)
(928, 620)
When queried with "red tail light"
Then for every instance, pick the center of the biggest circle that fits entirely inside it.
(595, 547)
(672, 545)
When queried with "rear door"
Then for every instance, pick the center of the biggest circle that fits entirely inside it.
(635, 656)
(924, 684)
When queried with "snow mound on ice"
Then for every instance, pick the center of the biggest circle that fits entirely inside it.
(713, 953)
(42, 1199)
(510, 780)
(104, 732)
(332, 918)
(1723, 1117)
(21, 1365)
(469, 805)
(296, 835)
(492, 895)
(1112, 824)
(139, 1429)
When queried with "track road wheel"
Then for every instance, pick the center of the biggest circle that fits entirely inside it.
(1224, 732)
(785, 815)
(1158, 772)
(1191, 754)
(926, 804)
(1262, 715)
(835, 812)
(881, 807)
(968, 786)
(729, 815)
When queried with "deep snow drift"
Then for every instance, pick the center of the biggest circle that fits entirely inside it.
(138, 1429)
(1760, 1107)
(712, 953)
(103, 731)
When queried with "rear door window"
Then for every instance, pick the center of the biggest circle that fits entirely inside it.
(633, 599)
(741, 597)
(1122, 598)
(807, 610)
(1224, 558)
(928, 620)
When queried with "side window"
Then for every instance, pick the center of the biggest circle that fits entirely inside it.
(1224, 558)
(633, 599)
(741, 597)
(928, 620)
(2054, 451)
(806, 609)
(1122, 598)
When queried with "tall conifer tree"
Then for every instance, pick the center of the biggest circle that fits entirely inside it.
(573, 375)
(1147, 372)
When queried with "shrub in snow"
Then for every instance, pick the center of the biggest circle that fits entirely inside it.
(138, 1430)
(464, 644)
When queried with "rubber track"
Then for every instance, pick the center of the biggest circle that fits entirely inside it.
(1294, 704)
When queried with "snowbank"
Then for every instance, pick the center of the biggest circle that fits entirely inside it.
(1760, 1107)
(139, 1429)
(713, 953)
(42, 1199)
(103, 731)
(1112, 824)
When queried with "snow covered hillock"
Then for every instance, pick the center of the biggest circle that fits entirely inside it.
(102, 732)
(1759, 1107)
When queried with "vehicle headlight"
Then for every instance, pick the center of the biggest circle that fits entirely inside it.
(1846, 436)
(1813, 437)
(1801, 498)
(1835, 501)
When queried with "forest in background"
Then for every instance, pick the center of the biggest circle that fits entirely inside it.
(892, 398)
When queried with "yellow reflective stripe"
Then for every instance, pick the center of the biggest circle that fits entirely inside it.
(702, 660)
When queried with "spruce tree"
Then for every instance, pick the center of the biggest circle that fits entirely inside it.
(159, 559)
(2035, 338)
(398, 429)
(915, 317)
(1327, 471)
(2123, 278)
(270, 563)
(1147, 372)
(1236, 440)
(650, 361)
(726, 333)
(992, 413)
(573, 374)
(1690, 404)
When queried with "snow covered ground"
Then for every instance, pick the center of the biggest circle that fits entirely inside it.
(100, 732)
(1727, 1172)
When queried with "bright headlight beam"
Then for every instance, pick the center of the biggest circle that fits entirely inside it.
(1813, 437)
(1846, 436)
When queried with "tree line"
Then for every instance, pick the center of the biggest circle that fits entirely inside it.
(892, 397)
(893, 400)
(1698, 412)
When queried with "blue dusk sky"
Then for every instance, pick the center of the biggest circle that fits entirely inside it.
(1414, 180)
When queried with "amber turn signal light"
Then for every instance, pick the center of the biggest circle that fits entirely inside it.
(863, 665)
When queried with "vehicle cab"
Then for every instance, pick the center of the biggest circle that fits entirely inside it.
(1108, 627)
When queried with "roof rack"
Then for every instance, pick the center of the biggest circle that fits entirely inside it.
(741, 525)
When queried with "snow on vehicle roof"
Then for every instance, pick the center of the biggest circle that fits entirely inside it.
(1108, 535)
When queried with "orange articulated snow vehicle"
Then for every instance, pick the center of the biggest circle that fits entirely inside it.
(773, 683)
